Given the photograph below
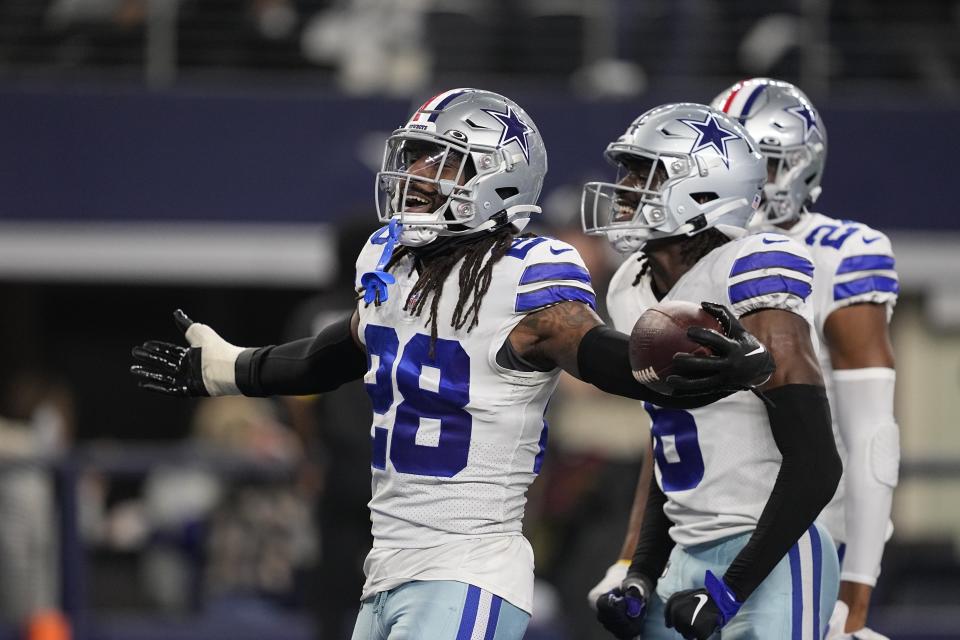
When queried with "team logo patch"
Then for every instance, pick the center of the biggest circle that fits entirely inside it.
(809, 118)
(514, 129)
(711, 135)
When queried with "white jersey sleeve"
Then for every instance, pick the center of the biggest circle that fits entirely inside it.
(770, 271)
(864, 272)
(553, 272)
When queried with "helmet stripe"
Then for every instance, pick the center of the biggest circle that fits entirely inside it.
(749, 103)
(423, 107)
(733, 94)
(444, 102)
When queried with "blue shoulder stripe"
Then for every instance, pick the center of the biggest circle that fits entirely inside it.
(552, 295)
(520, 247)
(767, 285)
(865, 263)
(772, 259)
(554, 271)
(865, 285)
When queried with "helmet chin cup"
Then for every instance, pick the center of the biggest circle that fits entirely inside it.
(777, 207)
(627, 241)
(414, 236)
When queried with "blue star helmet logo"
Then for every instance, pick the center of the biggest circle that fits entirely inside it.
(514, 129)
(809, 118)
(710, 134)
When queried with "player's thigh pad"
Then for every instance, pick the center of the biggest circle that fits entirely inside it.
(444, 610)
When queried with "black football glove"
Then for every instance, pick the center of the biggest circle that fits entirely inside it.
(621, 610)
(740, 361)
(170, 368)
(697, 614)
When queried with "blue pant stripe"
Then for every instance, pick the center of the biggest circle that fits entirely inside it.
(797, 593)
(494, 617)
(469, 618)
(841, 551)
(817, 550)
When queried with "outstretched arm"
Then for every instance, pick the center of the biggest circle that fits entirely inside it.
(212, 366)
(571, 336)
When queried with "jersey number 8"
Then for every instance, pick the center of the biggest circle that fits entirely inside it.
(676, 448)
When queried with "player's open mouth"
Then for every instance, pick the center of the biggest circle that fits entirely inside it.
(418, 202)
(624, 209)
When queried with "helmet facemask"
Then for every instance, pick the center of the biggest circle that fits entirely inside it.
(426, 182)
(790, 173)
(429, 182)
(634, 209)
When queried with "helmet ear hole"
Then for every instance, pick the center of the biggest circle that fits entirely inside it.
(703, 197)
(506, 193)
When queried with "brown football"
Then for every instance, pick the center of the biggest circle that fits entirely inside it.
(660, 333)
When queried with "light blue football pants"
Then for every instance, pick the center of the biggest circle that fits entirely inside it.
(439, 610)
(794, 602)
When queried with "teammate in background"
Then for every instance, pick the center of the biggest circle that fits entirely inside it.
(728, 538)
(855, 290)
(460, 333)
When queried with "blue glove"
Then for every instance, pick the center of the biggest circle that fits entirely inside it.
(622, 612)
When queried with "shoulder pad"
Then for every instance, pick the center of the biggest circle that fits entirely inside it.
(552, 272)
(769, 271)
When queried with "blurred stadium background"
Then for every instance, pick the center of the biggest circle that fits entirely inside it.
(218, 155)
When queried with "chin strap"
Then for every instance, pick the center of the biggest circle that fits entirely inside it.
(375, 283)
(708, 218)
(495, 224)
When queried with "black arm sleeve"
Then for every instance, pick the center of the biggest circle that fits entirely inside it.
(654, 544)
(604, 361)
(809, 475)
(302, 367)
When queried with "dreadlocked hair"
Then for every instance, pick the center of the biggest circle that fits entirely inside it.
(692, 248)
(695, 247)
(475, 277)
(644, 267)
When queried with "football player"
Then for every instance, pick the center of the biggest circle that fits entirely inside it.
(728, 539)
(460, 332)
(854, 293)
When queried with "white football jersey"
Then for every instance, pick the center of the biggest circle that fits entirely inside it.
(717, 464)
(457, 438)
(854, 264)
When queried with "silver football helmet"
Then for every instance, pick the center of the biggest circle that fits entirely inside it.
(681, 168)
(468, 160)
(790, 134)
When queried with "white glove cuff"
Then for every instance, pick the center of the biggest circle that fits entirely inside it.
(611, 580)
(218, 360)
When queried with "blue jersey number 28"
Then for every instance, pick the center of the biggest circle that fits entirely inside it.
(444, 404)
(676, 448)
